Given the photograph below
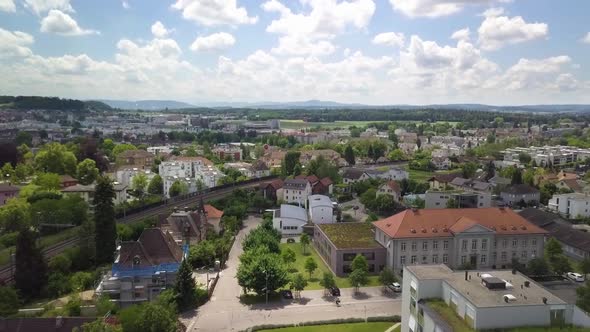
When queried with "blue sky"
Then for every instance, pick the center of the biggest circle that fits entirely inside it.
(366, 51)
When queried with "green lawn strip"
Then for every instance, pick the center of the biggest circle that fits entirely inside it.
(351, 327)
(397, 329)
(313, 283)
(44, 242)
(449, 315)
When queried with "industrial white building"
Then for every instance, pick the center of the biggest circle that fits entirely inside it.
(321, 209)
(289, 219)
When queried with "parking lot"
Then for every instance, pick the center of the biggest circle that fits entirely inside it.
(564, 289)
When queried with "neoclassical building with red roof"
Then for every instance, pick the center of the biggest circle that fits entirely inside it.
(483, 238)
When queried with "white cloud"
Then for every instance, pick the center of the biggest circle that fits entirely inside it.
(159, 30)
(60, 23)
(125, 4)
(497, 31)
(462, 34)
(214, 12)
(390, 39)
(215, 42)
(15, 43)
(7, 6)
(311, 31)
(41, 6)
(67, 64)
(435, 8)
(586, 38)
(530, 74)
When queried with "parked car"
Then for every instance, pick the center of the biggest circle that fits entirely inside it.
(335, 291)
(575, 276)
(396, 287)
(287, 294)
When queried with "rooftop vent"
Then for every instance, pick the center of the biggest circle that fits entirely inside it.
(434, 230)
(446, 230)
(509, 298)
(513, 228)
(412, 230)
(423, 230)
(494, 228)
(503, 228)
(523, 227)
(493, 283)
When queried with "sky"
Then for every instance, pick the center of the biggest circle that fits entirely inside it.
(499, 52)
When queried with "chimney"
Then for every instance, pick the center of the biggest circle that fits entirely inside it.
(527, 284)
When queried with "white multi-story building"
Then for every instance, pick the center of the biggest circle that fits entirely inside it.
(289, 219)
(190, 185)
(173, 168)
(158, 150)
(125, 175)
(556, 155)
(209, 175)
(485, 300)
(295, 191)
(572, 205)
(321, 209)
(481, 238)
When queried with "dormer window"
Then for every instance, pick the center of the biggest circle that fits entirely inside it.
(136, 261)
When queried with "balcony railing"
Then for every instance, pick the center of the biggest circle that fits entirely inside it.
(125, 271)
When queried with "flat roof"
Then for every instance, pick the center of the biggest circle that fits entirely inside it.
(351, 235)
(480, 296)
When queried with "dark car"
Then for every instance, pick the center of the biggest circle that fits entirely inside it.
(335, 291)
(287, 294)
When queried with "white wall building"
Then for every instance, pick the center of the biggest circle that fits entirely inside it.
(125, 175)
(295, 191)
(321, 209)
(439, 199)
(289, 219)
(191, 184)
(572, 205)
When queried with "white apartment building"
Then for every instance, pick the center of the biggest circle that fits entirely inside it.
(485, 300)
(483, 238)
(191, 184)
(209, 175)
(125, 175)
(556, 155)
(295, 191)
(321, 209)
(572, 205)
(173, 168)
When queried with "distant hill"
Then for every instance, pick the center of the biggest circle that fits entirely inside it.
(149, 105)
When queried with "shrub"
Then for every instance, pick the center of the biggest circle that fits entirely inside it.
(81, 280)
(8, 240)
(74, 306)
(290, 240)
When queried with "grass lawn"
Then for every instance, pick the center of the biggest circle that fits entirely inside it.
(313, 283)
(351, 327)
(423, 176)
(397, 329)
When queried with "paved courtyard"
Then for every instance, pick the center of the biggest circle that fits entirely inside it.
(225, 312)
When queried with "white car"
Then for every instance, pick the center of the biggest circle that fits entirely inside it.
(396, 287)
(575, 276)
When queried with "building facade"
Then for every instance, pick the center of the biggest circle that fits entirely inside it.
(295, 191)
(573, 205)
(289, 219)
(440, 199)
(321, 209)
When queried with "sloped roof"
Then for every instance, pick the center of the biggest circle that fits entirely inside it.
(212, 212)
(573, 184)
(160, 246)
(326, 181)
(394, 186)
(353, 173)
(439, 222)
(295, 184)
(203, 160)
(292, 211)
(8, 188)
(558, 228)
(520, 189)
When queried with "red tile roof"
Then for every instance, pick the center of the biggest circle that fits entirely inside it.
(446, 222)
(326, 181)
(394, 186)
(212, 212)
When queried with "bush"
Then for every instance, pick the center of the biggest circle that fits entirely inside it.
(74, 306)
(290, 240)
(81, 281)
(8, 240)
(393, 319)
(104, 305)
(61, 264)
(57, 285)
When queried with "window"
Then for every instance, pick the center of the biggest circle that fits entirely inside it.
(523, 254)
(414, 248)
(346, 268)
(348, 257)
(495, 244)
(463, 259)
(435, 259)
(514, 243)
(413, 260)
(534, 242)
(474, 244)
(445, 258)
(425, 245)
(464, 245)
(403, 246)
(505, 243)
(370, 256)
(482, 259)
(534, 253)
(494, 257)
(503, 256)
(484, 244)
(424, 259)
(513, 254)
(402, 260)
(524, 243)
(445, 245)
(434, 245)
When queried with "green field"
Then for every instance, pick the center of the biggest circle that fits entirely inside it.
(423, 176)
(351, 327)
(313, 283)
(300, 124)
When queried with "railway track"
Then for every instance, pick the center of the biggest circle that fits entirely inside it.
(7, 271)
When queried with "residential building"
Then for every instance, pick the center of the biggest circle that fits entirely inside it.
(225, 151)
(67, 181)
(270, 189)
(161, 150)
(139, 158)
(186, 226)
(482, 238)
(461, 199)
(87, 192)
(183, 166)
(260, 169)
(289, 219)
(318, 187)
(213, 217)
(441, 163)
(471, 184)
(8, 191)
(321, 209)
(442, 181)
(142, 268)
(168, 169)
(295, 191)
(573, 185)
(388, 173)
(242, 167)
(574, 242)
(485, 300)
(338, 244)
(189, 185)
(547, 155)
(572, 205)
(390, 188)
(519, 193)
(208, 175)
(125, 175)
(499, 182)
(353, 175)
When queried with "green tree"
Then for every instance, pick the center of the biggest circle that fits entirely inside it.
(305, 241)
(327, 281)
(349, 155)
(358, 278)
(24, 137)
(524, 158)
(310, 266)
(47, 181)
(297, 170)
(583, 296)
(99, 325)
(552, 249)
(262, 237)
(139, 184)
(291, 159)
(396, 155)
(87, 171)
(148, 317)
(156, 186)
(260, 268)
(30, 268)
(185, 289)
(60, 263)
(452, 204)
(386, 277)
(538, 266)
(289, 257)
(468, 169)
(8, 173)
(177, 188)
(516, 177)
(10, 302)
(360, 263)
(104, 220)
(56, 158)
(584, 266)
(22, 172)
(120, 148)
(14, 215)
(560, 264)
(298, 284)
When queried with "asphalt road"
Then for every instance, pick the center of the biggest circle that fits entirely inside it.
(224, 312)
(565, 290)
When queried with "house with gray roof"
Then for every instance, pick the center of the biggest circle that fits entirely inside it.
(289, 219)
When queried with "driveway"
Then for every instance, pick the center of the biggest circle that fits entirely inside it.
(224, 312)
